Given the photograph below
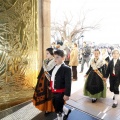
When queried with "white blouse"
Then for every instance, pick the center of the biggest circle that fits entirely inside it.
(54, 73)
(114, 61)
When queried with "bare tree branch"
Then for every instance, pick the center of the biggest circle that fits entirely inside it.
(69, 31)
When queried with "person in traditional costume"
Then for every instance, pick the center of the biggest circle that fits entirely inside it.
(113, 72)
(61, 85)
(95, 86)
(42, 98)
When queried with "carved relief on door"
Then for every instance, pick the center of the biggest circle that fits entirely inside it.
(18, 47)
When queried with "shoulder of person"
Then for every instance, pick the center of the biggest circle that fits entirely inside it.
(92, 60)
(75, 49)
(65, 66)
(88, 47)
(111, 61)
(101, 60)
(119, 61)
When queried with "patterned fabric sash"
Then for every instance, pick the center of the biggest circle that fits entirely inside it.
(99, 73)
(48, 76)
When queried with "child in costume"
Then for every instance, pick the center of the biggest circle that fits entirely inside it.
(42, 98)
(60, 85)
(95, 86)
(113, 72)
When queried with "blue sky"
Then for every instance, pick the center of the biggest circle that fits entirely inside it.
(104, 12)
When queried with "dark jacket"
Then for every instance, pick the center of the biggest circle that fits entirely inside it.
(63, 79)
(86, 51)
(110, 69)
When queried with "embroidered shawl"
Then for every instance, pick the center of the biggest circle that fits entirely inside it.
(48, 65)
(98, 64)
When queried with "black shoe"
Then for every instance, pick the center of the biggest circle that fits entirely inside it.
(66, 116)
(114, 105)
(94, 100)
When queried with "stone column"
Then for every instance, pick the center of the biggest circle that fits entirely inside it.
(43, 29)
(46, 21)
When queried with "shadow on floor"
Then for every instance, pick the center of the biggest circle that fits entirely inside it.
(42, 116)
(74, 115)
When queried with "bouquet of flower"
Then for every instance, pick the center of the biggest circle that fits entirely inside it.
(45, 62)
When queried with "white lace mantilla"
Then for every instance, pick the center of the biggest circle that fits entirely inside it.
(49, 66)
(99, 63)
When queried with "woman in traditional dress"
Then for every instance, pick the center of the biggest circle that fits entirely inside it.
(95, 86)
(42, 98)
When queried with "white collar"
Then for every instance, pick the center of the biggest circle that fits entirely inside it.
(98, 64)
(115, 60)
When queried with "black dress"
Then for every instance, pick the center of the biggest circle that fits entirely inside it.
(94, 85)
(42, 98)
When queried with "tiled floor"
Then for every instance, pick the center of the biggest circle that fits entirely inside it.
(29, 112)
(101, 109)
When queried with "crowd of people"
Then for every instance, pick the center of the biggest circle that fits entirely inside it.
(59, 69)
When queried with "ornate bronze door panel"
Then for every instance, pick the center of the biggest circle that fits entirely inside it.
(18, 50)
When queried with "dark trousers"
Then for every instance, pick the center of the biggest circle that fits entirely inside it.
(84, 59)
(74, 71)
(58, 102)
(114, 84)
